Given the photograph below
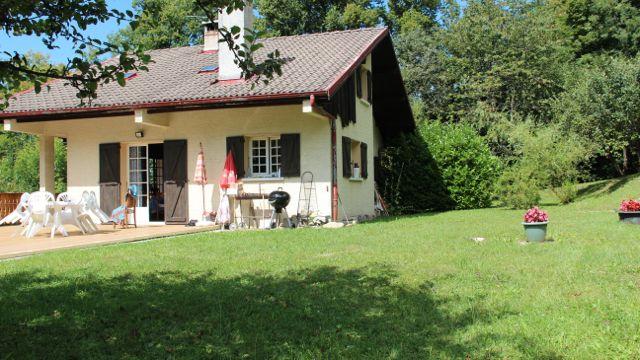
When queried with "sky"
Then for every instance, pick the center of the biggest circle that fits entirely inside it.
(23, 44)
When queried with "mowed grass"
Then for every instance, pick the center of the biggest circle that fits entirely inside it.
(408, 288)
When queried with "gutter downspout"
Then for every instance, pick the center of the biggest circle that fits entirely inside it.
(334, 170)
(309, 107)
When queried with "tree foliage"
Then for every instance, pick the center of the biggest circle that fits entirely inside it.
(162, 24)
(469, 170)
(601, 104)
(503, 54)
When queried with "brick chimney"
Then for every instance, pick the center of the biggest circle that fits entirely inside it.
(228, 70)
(211, 36)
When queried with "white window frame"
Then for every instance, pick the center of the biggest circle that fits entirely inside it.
(143, 197)
(270, 161)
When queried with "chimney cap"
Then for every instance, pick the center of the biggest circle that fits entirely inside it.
(210, 25)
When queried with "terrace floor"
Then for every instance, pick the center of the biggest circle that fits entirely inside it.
(17, 246)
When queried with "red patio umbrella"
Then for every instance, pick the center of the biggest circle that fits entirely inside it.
(229, 175)
(227, 178)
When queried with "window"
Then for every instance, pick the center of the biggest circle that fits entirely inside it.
(265, 157)
(354, 159)
(130, 75)
(363, 84)
(208, 68)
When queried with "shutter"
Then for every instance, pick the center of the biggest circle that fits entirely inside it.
(369, 87)
(346, 157)
(364, 161)
(290, 152)
(359, 82)
(235, 144)
(109, 160)
(176, 198)
(175, 160)
(110, 163)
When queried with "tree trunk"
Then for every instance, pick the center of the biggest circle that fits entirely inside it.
(625, 160)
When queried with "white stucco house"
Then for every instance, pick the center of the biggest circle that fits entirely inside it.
(339, 98)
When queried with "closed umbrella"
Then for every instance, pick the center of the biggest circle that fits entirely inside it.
(228, 176)
(200, 178)
(227, 179)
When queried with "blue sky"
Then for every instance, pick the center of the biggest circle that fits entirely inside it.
(23, 44)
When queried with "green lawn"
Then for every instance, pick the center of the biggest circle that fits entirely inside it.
(414, 287)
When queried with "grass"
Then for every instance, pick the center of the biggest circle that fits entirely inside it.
(413, 287)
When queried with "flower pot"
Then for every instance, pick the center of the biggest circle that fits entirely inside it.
(629, 217)
(536, 232)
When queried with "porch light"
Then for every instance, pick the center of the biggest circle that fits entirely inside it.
(139, 134)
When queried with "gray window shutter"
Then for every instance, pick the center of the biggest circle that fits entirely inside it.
(110, 163)
(290, 151)
(364, 162)
(346, 157)
(175, 161)
(235, 144)
(369, 87)
(359, 82)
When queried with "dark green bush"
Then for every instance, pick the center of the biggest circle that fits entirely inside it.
(468, 169)
(410, 181)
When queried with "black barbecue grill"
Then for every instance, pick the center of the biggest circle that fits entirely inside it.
(279, 200)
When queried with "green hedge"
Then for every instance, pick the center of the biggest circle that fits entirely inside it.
(410, 179)
(469, 170)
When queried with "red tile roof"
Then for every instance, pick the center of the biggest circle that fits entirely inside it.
(318, 63)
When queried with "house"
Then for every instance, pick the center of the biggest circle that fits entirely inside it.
(340, 97)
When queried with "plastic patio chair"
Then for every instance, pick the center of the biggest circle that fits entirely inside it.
(39, 214)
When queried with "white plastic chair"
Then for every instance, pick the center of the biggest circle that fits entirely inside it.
(64, 197)
(19, 214)
(91, 206)
(38, 212)
(74, 216)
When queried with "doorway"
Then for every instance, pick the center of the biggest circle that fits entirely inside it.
(156, 183)
(146, 165)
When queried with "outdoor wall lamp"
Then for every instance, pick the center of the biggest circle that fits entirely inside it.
(139, 134)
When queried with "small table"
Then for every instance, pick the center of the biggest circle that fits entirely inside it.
(252, 215)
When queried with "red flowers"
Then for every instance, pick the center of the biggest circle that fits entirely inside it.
(630, 205)
(536, 215)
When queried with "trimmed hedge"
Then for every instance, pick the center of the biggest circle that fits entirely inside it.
(469, 169)
(410, 181)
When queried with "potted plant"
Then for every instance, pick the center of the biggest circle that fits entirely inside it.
(629, 212)
(535, 225)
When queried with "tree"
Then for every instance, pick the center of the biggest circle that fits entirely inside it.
(69, 20)
(294, 17)
(505, 55)
(601, 26)
(162, 24)
(411, 15)
(601, 104)
(19, 154)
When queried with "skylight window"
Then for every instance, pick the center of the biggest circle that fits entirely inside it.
(208, 68)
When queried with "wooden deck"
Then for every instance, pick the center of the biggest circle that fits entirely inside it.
(17, 246)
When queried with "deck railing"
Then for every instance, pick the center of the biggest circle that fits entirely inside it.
(8, 203)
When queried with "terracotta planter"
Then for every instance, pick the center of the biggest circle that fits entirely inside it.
(536, 232)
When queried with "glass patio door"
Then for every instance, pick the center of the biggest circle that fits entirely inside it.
(139, 179)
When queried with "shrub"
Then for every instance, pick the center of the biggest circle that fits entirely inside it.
(543, 158)
(517, 188)
(410, 179)
(469, 170)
